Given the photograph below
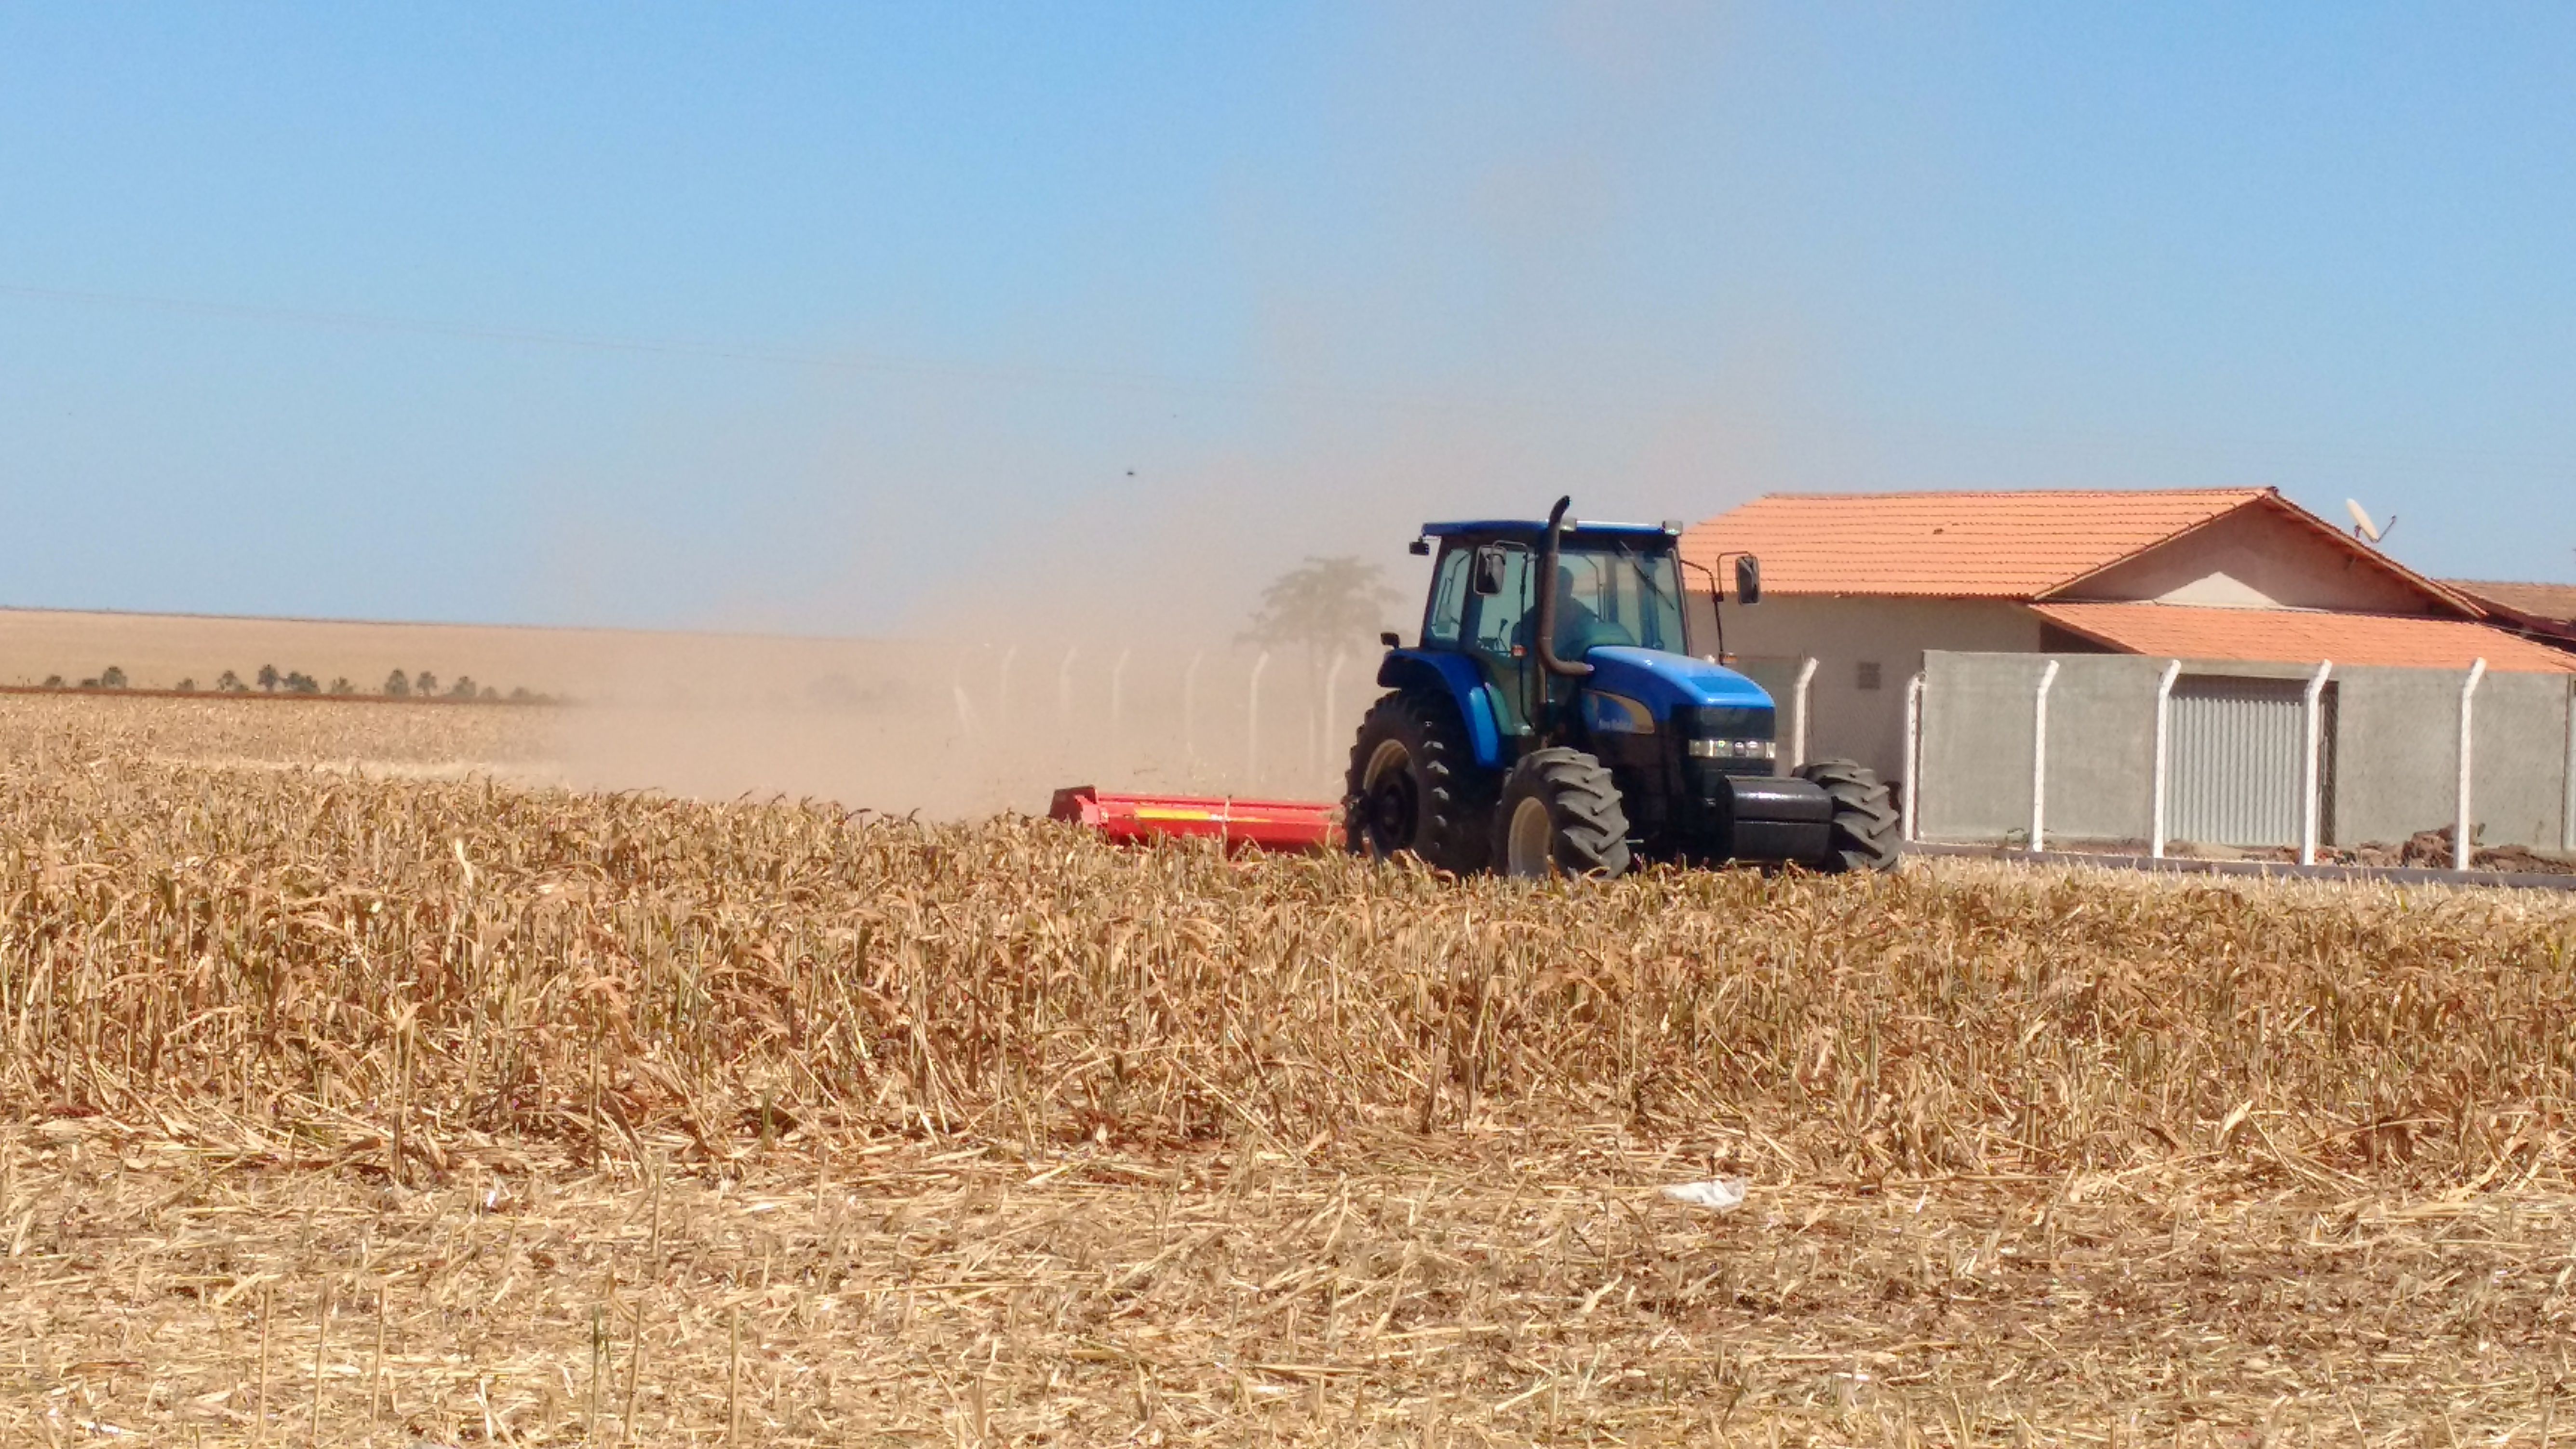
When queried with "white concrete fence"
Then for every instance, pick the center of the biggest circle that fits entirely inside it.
(2116, 750)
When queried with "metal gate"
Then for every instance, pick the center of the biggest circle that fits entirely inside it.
(2237, 760)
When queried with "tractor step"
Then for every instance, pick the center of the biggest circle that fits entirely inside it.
(1281, 825)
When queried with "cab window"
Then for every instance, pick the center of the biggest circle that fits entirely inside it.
(1448, 612)
(1618, 596)
(1591, 608)
(1498, 631)
(1498, 635)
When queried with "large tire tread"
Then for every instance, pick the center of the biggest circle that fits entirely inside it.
(1589, 822)
(1455, 796)
(1865, 829)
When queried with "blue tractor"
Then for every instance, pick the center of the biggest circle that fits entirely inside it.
(1553, 718)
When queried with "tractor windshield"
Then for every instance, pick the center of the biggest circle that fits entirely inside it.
(1611, 592)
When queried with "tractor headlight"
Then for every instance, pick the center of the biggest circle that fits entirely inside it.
(1734, 749)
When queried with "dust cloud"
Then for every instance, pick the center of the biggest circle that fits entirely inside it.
(1101, 645)
(965, 727)
(1104, 646)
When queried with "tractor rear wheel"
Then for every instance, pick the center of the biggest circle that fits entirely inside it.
(1865, 835)
(1561, 812)
(1414, 788)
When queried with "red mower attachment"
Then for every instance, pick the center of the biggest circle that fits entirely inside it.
(1307, 825)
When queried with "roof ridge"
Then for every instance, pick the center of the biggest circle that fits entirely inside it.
(2247, 491)
(2056, 603)
(2201, 631)
(2019, 544)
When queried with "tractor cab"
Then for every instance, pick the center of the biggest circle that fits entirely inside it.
(1552, 716)
(1617, 585)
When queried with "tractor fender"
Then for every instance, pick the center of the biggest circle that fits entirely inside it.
(1457, 677)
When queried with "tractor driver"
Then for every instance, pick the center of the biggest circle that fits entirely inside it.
(1579, 627)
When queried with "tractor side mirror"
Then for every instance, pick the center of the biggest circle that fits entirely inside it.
(1489, 571)
(1748, 579)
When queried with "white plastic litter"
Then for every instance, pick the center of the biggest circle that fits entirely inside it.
(1718, 1194)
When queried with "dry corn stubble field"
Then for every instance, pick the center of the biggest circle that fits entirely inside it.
(367, 1105)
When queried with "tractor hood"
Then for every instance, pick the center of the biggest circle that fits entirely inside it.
(1665, 682)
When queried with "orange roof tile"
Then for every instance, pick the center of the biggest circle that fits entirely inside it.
(1953, 545)
(2021, 545)
(2552, 603)
(2289, 636)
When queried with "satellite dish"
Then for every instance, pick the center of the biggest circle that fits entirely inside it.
(2361, 523)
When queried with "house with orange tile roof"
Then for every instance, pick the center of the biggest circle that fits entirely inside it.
(2545, 612)
(1859, 588)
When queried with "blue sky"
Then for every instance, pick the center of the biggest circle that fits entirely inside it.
(822, 317)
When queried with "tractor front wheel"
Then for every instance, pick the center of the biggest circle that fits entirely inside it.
(1865, 834)
(1561, 813)
(1414, 787)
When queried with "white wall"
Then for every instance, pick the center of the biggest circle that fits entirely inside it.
(2256, 558)
(1848, 721)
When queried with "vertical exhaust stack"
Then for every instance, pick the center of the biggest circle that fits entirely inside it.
(1546, 628)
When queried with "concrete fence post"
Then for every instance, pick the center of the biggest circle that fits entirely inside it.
(1252, 720)
(965, 708)
(2039, 760)
(2567, 807)
(2464, 828)
(1332, 702)
(1906, 828)
(2164, 755)
(1118, 696)
(1190, 708)
(1806, 683)
(2312, 724)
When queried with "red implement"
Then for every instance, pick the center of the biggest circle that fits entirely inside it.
(1257, 824)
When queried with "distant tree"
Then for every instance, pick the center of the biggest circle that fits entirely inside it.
(463, 688)
(268, 678)
(1323, 604)
(186, 686)
(53, 681)
(424, 683)
(111, 678)
(398, 684)
(1321, 607)
(489, 693)
(90, 683)
(230, 683)
(300, 682)
(340, 685)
